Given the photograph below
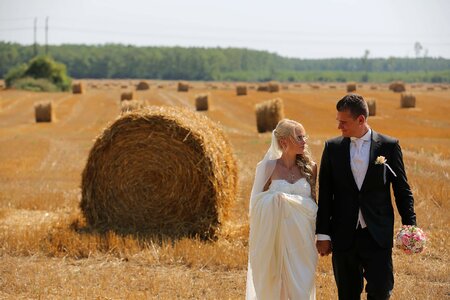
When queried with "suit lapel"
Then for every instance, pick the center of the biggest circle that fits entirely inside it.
(374, 146)
(345, 146)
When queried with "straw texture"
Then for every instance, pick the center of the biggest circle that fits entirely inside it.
(160, 170)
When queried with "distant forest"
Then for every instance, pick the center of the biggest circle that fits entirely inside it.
(236, 64)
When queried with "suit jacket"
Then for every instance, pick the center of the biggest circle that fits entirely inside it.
(340, 199)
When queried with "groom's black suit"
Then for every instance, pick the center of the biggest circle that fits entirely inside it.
(340, 201)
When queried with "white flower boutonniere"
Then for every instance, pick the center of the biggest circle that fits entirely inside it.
(381, 160)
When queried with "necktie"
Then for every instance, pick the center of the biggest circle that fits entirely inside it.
(358, 161)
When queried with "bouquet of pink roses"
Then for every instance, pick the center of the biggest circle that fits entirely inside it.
(410, 239)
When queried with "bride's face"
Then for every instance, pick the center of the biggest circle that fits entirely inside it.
(295, 144)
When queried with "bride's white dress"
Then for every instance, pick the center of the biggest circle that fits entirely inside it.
(282, 253)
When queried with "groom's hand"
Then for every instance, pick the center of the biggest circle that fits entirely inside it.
(323, 247)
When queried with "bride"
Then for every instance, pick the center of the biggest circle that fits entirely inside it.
(282, 253)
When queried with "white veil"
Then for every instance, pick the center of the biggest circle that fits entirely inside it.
(264, 169)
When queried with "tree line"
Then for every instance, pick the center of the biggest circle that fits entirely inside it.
(193, 63)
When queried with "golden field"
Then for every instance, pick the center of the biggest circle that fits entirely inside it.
(44, 256)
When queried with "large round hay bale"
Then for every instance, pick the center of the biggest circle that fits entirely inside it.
(77, 88)
(131, 105)
(351, 87)
(397, 87)
(268, 114)
(127, 96)
(183, 86)
(241, 90)
(201, 102)
(43, 111)
(407, 100)
(142, 86)
(371, 103)
(159, 170)
(274, 87)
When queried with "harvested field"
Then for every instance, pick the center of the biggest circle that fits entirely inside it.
(46, 253)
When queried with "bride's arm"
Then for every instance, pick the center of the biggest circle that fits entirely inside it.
(314, 182)
(266, 186)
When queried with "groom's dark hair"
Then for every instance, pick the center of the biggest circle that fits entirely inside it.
(355, 104)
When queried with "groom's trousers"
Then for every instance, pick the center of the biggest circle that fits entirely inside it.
(365, 259)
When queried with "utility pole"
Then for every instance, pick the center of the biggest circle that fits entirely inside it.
(35, 42)
(46, 36)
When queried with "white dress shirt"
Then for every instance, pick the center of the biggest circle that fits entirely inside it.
(359, 162)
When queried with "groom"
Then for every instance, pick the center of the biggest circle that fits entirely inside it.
(356, 217)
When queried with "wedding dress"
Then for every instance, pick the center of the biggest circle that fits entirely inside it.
(282, 253)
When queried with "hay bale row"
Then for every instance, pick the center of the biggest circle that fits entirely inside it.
(183, 86)
(142, 86)
(127, 96)
(268, 114)
(351, 87)
(131, 105)
(77, 88)
(241, 90)
(407, 101)
(397, 87)
(43, 112)
(202, 102)
(372, 105)
(160, 170)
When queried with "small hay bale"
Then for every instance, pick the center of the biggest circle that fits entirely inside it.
(241, 90)
(77, 88)
(373, 87)
(332, 87)
(142, 86)
(201, 102)
(161, 170)
(407, 101)
(263, 88)
(268, 114)
(430, 88)
(124, 86)
(371, 103)
(183, 86)
(351, 87)
(126, 96)
(274, 87)
(43, 112)
(315, 86)
(131, 105)
(397, 87)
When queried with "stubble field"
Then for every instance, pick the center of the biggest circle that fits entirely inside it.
(43, 255)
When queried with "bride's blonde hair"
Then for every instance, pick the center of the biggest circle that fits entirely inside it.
(286, 129)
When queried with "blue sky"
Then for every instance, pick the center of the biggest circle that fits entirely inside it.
(297, 28)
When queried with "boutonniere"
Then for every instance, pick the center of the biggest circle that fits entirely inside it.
(381, 160)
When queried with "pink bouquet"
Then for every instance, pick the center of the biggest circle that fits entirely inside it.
(410, 239)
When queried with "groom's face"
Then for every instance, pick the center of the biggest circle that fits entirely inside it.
(349, 125)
